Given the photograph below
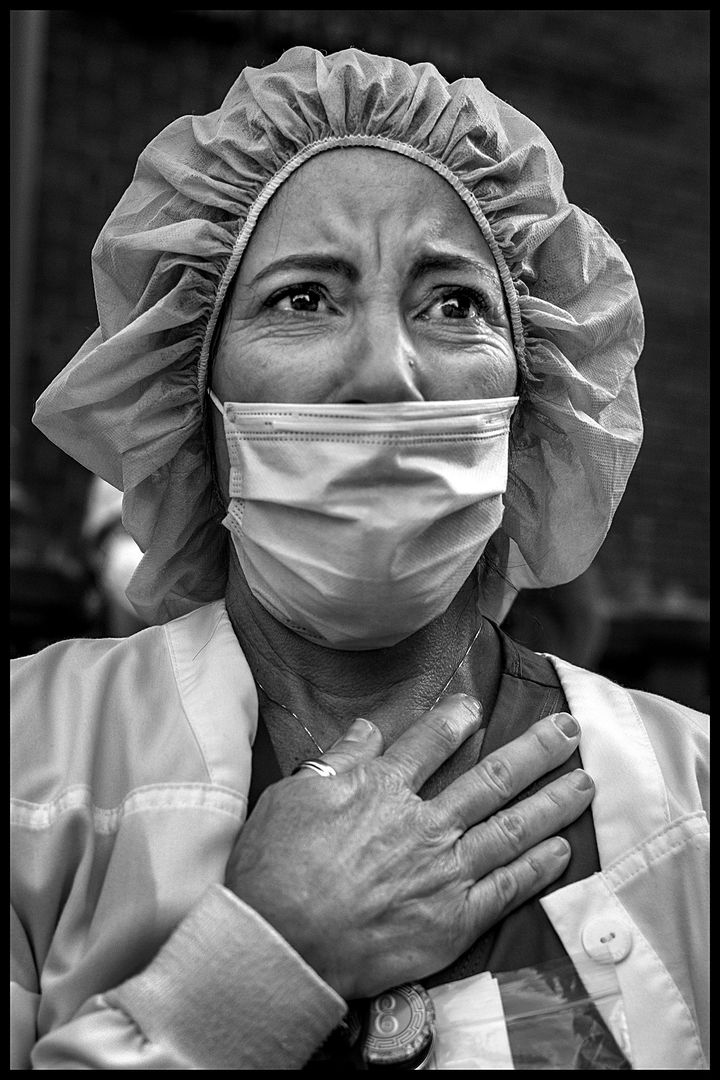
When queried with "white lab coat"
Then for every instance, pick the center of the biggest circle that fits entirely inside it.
(131, 768)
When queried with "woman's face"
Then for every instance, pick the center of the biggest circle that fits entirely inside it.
(366, 280)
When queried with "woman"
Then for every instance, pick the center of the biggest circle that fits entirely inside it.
(352, 318)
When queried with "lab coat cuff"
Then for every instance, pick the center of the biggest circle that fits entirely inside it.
(228, 992)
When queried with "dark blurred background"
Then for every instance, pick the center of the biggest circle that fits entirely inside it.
(623, 96)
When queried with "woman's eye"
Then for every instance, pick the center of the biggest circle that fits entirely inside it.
(456, 304)
(297, 298)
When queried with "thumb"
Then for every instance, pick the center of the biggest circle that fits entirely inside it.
(361, 743)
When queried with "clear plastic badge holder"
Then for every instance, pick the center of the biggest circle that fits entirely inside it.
(534, 1018)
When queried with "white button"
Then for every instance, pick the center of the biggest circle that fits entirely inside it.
(607, 940)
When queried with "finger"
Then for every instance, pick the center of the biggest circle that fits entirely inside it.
(507, 887)
(431, 740)
(511, 832)
(361, 743)
(506, 772)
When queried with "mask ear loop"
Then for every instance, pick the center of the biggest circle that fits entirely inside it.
(218, 496)
(220, 499)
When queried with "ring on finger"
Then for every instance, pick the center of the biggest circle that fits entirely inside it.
(319, 767)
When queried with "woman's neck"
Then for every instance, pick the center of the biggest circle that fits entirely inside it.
(331, 687)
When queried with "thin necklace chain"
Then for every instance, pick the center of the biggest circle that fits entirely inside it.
(310, 734)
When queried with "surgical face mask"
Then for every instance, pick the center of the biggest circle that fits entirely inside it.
(356, 525)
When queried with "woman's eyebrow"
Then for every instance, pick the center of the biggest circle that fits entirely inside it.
(432, 262)
(315, 261)
(425, 263)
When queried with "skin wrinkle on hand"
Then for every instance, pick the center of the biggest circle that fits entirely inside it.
(410, 857)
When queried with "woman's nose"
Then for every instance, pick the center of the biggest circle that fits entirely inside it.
(381, 364)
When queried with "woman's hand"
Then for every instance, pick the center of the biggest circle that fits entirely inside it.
(374, 886)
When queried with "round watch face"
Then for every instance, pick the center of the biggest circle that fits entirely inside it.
(400, 1028)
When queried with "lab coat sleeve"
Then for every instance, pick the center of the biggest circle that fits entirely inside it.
(226, 991)
(24, 996)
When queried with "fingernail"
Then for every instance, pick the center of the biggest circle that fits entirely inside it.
(360, 730)
(559, 847)
(581, 780)
(567, 724)
(472, 704)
